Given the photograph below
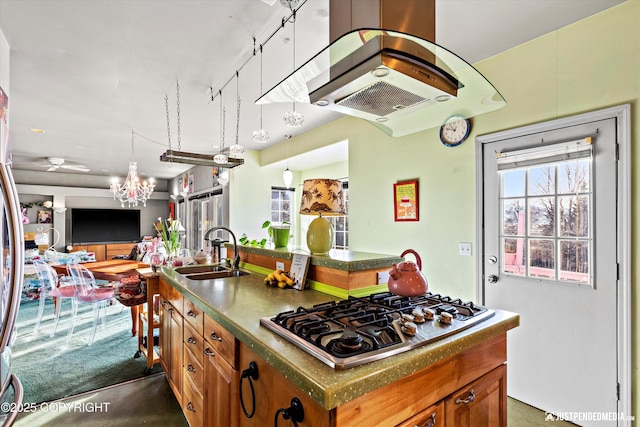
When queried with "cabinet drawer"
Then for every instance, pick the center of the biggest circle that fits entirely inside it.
(220, 342)
(433, 416)
(193, 370)
(194, 342)
(172, 295)
(194, 316)
(192, 404)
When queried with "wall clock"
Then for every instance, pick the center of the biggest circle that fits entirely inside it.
(454, 131)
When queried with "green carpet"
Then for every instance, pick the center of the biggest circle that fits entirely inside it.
(53, 368)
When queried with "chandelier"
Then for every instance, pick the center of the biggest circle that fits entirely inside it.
(132, 191)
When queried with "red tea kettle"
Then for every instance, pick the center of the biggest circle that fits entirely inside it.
(406, 279)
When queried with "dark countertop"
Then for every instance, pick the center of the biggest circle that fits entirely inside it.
(238, 304)
(336, 258)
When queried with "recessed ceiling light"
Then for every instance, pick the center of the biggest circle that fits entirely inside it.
(36, 130)
(380, 72)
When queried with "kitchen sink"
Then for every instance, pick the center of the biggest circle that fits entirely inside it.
(202, 269)
(221, 274)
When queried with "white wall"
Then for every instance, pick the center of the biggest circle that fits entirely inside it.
(74, 197)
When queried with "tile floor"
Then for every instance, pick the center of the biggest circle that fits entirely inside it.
(149, 401)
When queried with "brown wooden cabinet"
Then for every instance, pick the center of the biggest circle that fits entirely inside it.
(106, 251)
(200, 361)
(171, 332)
(272, 392)
(204, 363)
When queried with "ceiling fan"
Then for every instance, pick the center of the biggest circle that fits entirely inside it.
(56, 163)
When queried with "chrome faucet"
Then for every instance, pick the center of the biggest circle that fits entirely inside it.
(236, 255)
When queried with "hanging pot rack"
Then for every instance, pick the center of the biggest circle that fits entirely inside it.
(179, 156)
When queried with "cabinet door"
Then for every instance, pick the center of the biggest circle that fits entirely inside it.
(221, 392)
(165, 327)
(171, 345)
(482, 403)
(175, 352)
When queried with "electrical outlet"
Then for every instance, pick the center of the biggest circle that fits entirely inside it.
(280, 265)
(464, 248)
(383, 277)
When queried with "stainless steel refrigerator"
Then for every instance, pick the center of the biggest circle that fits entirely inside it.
(11, 267)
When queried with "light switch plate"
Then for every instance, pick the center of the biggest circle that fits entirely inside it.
(280, 265)
(464, 249)
(383, 277)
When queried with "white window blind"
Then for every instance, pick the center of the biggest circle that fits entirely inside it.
(556, 152)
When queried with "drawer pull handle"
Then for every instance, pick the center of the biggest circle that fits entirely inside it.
(170, 311)
(470, 398)
(431, 422)
(192, 314)
(192, 340)
(190, 368)
(215, 337)
(208, 352)
(191, 407)
(294, 413)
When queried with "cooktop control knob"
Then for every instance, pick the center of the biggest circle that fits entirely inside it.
(445, 318)
(429, 314)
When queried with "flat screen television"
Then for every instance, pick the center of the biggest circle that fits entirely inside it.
(104, 225)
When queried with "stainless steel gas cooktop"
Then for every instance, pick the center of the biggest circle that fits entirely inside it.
(350, 332)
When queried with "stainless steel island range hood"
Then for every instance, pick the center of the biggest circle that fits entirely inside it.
(387, 70)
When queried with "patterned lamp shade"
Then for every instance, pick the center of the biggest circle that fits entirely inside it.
(322, 196)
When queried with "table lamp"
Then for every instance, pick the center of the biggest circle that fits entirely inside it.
(322, 197)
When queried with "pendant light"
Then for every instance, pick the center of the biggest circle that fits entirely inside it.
(260, 136)
(287, 175)
(237, 150)
(221, 157)
(293, 118)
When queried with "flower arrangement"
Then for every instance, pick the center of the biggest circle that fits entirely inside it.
(170, 233)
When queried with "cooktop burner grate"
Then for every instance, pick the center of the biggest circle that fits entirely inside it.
(353, 331)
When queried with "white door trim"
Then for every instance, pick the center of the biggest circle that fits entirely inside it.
(623, 115)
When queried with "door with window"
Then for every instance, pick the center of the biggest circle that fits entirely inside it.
(550, 239)
(206, 212)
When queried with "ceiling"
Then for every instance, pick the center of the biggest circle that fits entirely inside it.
(93, 73)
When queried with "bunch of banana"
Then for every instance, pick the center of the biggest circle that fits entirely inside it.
(279, 278)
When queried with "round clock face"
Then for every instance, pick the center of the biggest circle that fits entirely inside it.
(455, 131)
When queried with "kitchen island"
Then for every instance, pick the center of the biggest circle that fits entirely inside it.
(391, 391)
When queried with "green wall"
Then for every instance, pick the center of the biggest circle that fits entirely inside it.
(589, 65)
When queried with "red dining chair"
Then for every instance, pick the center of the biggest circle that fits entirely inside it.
(88, 293)
(51, 287)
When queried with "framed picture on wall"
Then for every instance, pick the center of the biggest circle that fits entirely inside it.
(191, 184)
(405, 201)
(215, 173)
(44, 217)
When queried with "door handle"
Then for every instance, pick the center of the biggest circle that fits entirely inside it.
(492, 278)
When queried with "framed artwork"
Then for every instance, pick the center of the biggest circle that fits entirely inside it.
(44, 217)
(405, 201)
(191, 183)
(185, 184)
(172, 210)
(215, 173)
